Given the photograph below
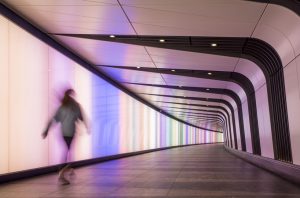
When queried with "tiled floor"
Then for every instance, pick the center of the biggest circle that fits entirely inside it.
(193, 171)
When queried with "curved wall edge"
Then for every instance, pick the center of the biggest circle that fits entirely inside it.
(290, 172)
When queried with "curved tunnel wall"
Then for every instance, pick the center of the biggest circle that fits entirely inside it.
(33, 76)
(282, 33)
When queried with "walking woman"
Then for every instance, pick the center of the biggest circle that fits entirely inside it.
(67, 114)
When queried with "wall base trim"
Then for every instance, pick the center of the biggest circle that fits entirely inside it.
(290, 172)
(50, 169)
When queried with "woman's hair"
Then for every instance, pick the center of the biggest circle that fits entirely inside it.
(67, 97)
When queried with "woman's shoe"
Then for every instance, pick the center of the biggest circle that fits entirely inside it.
(63, 181)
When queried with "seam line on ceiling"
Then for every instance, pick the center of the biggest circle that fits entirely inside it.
(291, 60)
(263, 12)
(138, 35)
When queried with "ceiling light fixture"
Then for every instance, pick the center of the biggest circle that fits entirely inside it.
(173, 70)
(138, 67)
(112, 36)
(162, 40)
(214, 44)
(207, 89)
(209, 73)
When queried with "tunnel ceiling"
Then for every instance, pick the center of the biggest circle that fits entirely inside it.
(196, 81)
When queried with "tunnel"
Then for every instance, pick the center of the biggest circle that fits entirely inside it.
(140, 98)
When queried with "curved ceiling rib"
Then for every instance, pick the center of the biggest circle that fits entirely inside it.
(204, 111)
(211, 106)
(222, 116)
(226, 103)
(266, 57)
(227, 123)
(228, 92)
(201, 115)
(199, 112)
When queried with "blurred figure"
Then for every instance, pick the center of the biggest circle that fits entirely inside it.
(67, 114)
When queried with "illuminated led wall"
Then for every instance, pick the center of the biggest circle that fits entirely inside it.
(32, 79)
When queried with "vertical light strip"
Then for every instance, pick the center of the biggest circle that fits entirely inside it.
(152, 125)
(131, 121)
(4, 96)
(8, 102)
(157, 130)
(28, 100)
(61, 77)
(145, 127)
(48, 96)
(83, 144)
(123, 127)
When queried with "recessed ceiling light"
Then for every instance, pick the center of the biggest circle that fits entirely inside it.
(214, 44)
(173, 70)
(207, 89)
(138, 67)
(161, 40)
(209, 73)
(112, 36)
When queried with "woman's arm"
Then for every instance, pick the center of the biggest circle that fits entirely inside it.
(55, 118)
(45, 133)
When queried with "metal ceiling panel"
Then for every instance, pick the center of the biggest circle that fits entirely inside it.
(107, 53)
(205, 18)
(95, 18)
(196, 94)
(167, 58)
(238, 90)
(193, 82)
(280, 27)
(59, 2)
(131, 76)
(252, 72)
(149, 90)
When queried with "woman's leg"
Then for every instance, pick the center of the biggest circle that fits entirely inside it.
(68, 141)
